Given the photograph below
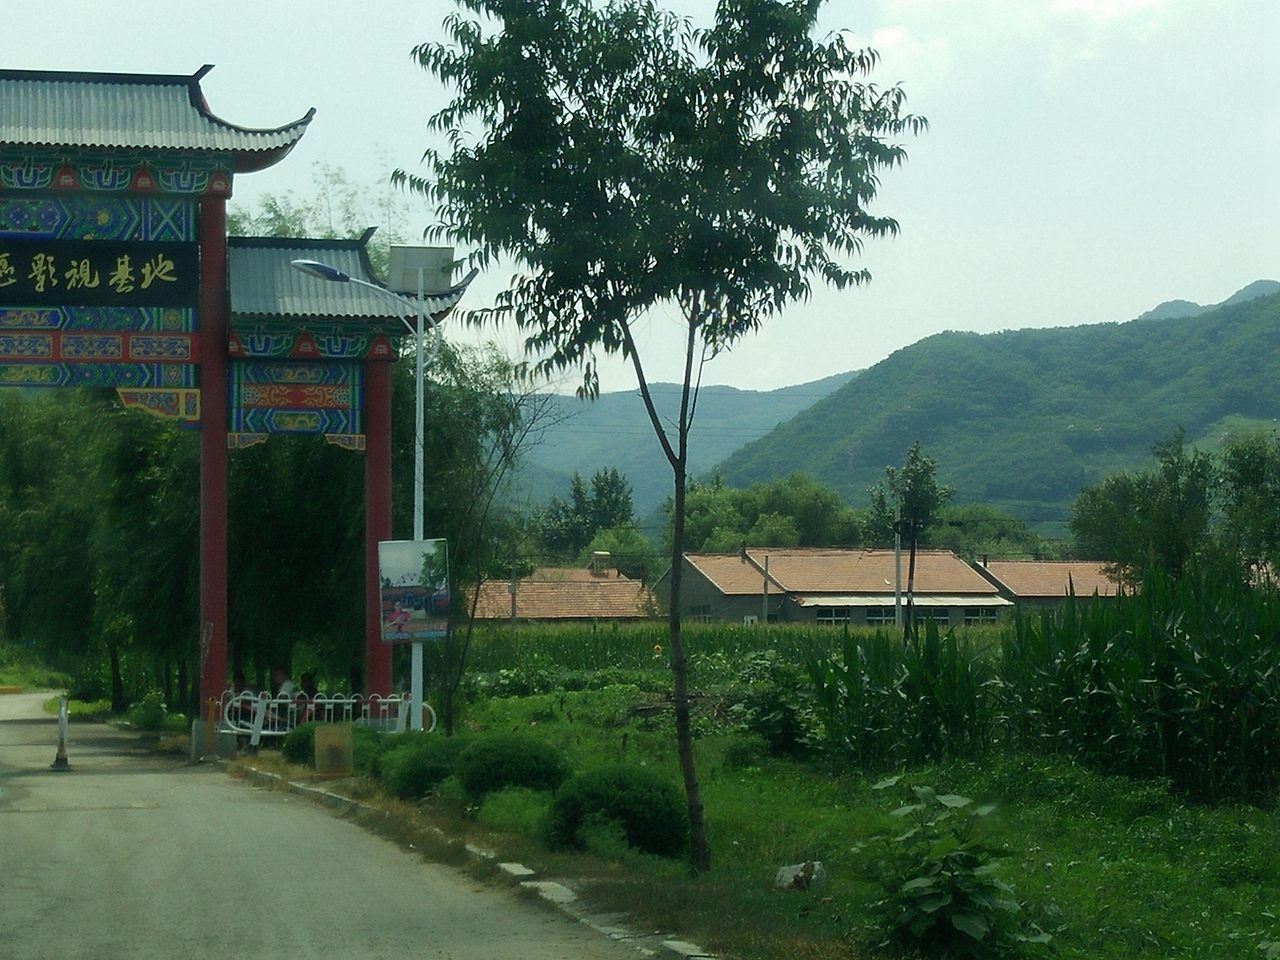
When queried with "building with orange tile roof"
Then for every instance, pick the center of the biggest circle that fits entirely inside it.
(833, 586)
(566, 594)
(1043, 582)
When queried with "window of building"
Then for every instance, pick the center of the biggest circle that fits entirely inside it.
(879, 616)
(700, 613)
(833, 615)
(973, 615)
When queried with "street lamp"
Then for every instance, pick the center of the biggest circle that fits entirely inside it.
(324, 271)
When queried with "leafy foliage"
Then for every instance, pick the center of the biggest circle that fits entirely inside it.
(942, 892)
(509, 760)
(646, 805)
(914, 492)
(794, 511)
(565, 529)
(149, 713)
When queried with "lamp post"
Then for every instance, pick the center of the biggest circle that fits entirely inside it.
(324, 271)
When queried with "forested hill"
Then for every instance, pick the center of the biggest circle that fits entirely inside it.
(614, 431)
(1023, 419)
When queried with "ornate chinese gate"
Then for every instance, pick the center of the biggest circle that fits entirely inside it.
(114, 273)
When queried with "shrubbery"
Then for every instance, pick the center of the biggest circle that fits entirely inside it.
(645, 805)
(509, 760)
(411, 765)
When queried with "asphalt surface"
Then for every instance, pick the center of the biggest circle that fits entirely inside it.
(132, 856)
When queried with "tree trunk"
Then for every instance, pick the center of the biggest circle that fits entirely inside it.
(699, 847)
(118, 704)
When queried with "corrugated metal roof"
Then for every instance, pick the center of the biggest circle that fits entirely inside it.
(1043, 579)
(130, 111)
(833, 571)
(265, 285)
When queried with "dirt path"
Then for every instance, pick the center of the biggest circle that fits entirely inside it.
(133, 856)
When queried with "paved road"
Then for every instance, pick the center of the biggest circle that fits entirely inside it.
(129, 856)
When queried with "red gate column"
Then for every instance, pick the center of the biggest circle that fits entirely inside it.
(213, 447)
(377, 518)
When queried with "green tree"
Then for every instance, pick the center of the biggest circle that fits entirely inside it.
(1159, 516)
(565, 528)
(1250, 476)
(335, 207)
(922, 499)
(624, 160)
(794, 511)
(632, 553)
(976, 530)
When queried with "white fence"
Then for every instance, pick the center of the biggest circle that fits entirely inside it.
(258, 715)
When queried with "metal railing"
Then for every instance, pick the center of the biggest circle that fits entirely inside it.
(258, 715)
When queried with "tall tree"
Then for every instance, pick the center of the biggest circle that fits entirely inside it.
(623, 159)
(566, 527)
(908, 502)
(1159, 516)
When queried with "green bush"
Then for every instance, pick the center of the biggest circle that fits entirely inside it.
(411, 765)
(510, 760)
(299, 744)
(645, 805)
(366, 742)
(149, 712)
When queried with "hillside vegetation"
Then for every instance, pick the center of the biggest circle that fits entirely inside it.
(1023, 419)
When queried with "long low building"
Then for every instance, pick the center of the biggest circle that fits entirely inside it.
(564, 595)
(832, 586)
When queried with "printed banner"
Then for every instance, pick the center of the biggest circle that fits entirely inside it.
(415, 590)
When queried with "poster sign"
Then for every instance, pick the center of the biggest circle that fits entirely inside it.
(415, 590)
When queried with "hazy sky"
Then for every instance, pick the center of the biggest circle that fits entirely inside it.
(1087, 159)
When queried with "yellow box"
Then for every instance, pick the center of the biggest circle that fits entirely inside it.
(333, 750)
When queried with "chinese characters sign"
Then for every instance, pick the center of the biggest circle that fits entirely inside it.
(98, 273)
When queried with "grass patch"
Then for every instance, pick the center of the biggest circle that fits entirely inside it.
(95, 711)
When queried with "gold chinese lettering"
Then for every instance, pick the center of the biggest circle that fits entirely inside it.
(7, 277)
(121, 279)
(158, 267)
(82, 274)
(43, 272)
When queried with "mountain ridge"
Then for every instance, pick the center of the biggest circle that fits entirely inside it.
(1022, 419)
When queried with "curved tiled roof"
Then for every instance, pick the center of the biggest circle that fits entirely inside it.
(265, 285)
(131, 112)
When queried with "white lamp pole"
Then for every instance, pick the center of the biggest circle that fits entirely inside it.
(333, 274)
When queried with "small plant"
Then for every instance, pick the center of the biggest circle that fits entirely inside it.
(776, 706)
(149, 712)
(646, 807)
(509, 760)
(942, 895)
